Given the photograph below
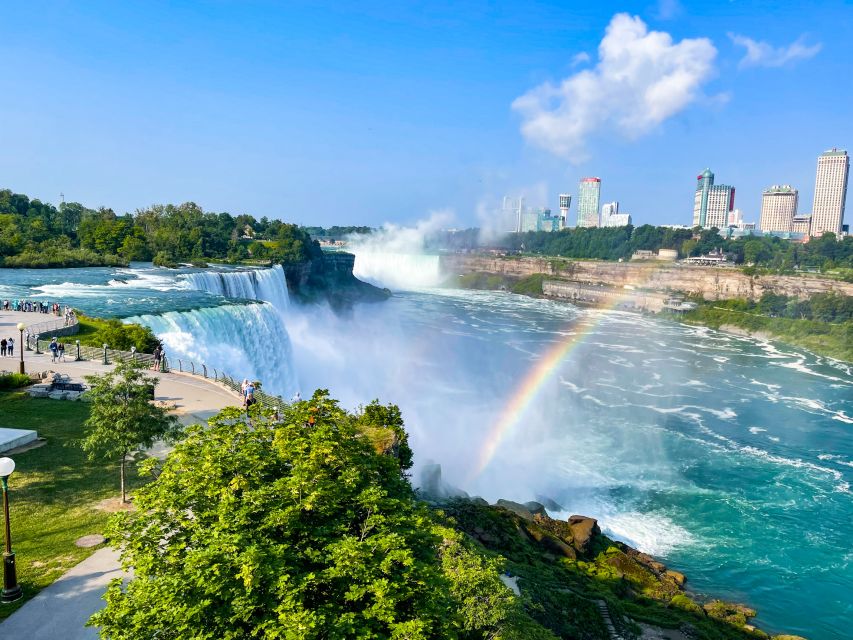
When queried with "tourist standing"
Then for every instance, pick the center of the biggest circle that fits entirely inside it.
(158, 354)
(3, 347)
(61, 351)
(10, 347)
(54, 348)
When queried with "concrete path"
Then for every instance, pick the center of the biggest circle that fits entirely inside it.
(61, 610)
(195, 398)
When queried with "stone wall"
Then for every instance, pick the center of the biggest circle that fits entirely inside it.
(713, 283)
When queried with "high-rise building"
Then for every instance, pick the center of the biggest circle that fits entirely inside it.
(830, 191)
(589, 195)
(511, 211)
(712, 202)
(565, 203)
(778, 208)
(539, 220)
(802, 224)
(610, 216)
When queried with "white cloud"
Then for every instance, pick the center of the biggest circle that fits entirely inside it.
(580, 58)
(642, 78)
(763, 54)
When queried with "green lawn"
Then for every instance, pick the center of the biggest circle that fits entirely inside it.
(53, 491)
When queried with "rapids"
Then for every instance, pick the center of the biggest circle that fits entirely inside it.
(731, 459)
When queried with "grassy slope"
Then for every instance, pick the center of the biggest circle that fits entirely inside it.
(53, 492)
(833, 340)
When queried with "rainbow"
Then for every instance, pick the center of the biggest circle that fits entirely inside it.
(529, 388)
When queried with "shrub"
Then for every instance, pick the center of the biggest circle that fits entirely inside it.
(13, 380)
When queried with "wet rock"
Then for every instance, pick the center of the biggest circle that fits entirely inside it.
(536, 508)
(583, 530)
(733, 613)
(675, 575)
(432, 486)
(518, 509)
(549, 504)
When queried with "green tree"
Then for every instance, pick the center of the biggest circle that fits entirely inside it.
(123, 418)
(270, 528)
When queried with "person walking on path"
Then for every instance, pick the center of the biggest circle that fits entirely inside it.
(61, 351)
(54, 348)
(158, 354)
(10, 347)
(3, 347)
(249, 396)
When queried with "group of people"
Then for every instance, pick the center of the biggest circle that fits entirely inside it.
(37, 306)
(7, 347)
(57, 351)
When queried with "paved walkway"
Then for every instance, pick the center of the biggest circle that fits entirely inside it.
(61, 610)
(195, 398)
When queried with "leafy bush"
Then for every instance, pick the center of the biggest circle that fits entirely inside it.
(163, 259)
(13, 380)
(118, 335)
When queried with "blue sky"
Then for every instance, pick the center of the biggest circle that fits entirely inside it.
(361, 113)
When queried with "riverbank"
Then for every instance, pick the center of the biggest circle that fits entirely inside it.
(834, 340)
(709, 287)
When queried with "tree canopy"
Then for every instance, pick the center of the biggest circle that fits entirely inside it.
(290, 528)
(33, 233)
(123, 418)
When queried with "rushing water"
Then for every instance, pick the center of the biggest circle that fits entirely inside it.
(731, 459)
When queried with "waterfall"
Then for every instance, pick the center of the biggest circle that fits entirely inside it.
(243, 340)
(398, 270)
(256, 284)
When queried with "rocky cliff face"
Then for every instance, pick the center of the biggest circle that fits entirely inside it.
(329, 278)
(713, 283)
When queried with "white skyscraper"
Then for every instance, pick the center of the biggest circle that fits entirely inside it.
(778, 208)
(830, 192)
(589, 195)
(712, 202)
(565, 203)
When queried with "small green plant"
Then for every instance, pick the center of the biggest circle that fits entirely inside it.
(13, 380)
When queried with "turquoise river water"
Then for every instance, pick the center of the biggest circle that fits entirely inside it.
(730, 459)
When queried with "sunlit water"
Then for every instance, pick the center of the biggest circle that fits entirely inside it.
(730, 459)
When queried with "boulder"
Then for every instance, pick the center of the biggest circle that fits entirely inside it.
(583, 530)
(677, 576)
(431, 480)
(536, 508)
(518, 509)
(37, 393)
(73, 396)
(549, 504)
(57, 395)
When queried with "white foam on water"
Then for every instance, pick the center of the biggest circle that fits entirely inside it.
(756, 430)
(652, 533)
(836, 459)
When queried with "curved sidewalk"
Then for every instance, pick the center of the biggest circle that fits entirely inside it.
(62, 609)
(195, 399)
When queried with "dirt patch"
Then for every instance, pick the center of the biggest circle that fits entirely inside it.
(114, 505)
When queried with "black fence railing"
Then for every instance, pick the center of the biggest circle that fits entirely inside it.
(105, 355)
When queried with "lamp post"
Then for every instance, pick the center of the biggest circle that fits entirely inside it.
(11, 588)
(21, 328)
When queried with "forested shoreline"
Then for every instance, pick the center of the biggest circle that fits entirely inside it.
(39, 235)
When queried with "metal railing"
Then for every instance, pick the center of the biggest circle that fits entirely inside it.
(180, 365)
(77, 352)
(58, 327)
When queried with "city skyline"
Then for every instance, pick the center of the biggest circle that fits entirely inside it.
(291, 111)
